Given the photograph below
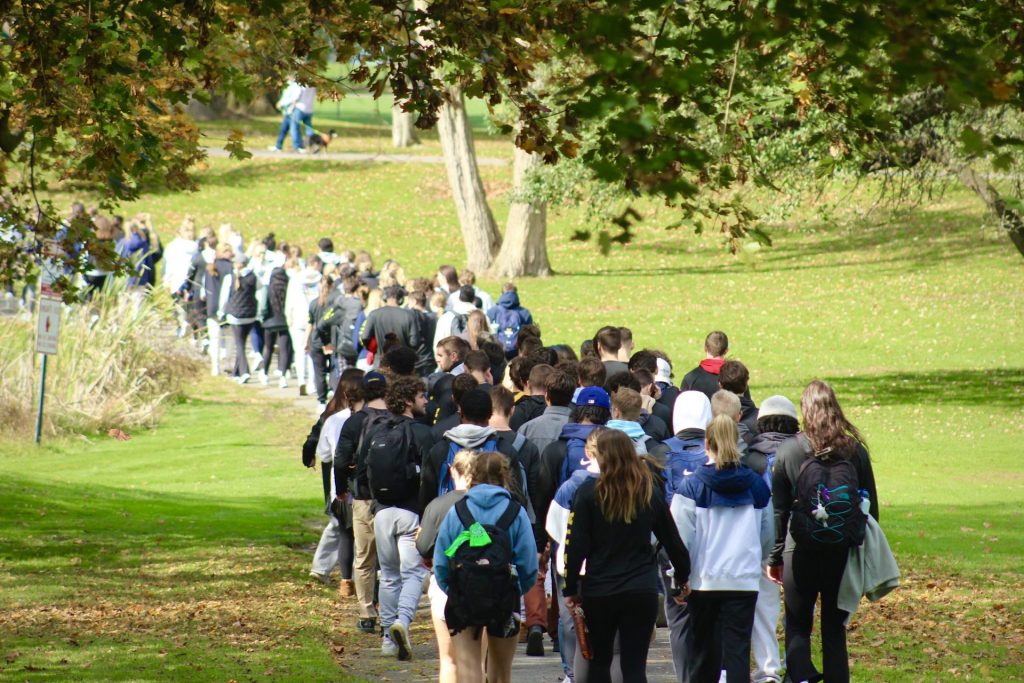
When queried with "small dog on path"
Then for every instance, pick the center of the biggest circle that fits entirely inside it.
(318, 143)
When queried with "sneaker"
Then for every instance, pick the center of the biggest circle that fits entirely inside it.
(400, 636)
(244, 378)
(325, 579)
(264, 380)
(368, 625)
(388, 648)
(302, 390)
(535, 642)
(283, 382)
(273, 148)
(301, 150)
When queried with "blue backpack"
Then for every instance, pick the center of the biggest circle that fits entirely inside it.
(508, 322)
(445, 483)
(683, 459)
(574, 454)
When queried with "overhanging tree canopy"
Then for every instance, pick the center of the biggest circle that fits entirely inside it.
(670, 98)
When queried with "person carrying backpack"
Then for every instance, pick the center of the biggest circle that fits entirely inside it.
(350, 477)
(723, 518)
(819, 481)
(392, 452)
(507, 318)
(485, 559)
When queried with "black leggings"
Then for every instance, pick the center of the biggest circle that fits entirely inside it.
(320, 369)
(722, 622)
(632, 616)
(805, 575)
(284, 349)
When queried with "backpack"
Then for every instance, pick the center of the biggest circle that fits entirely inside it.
(460, 323)
(346, 346)
(391, 467)
(826, 510)
(482, 588)
(508, 323)
(683, 459)
(445, 483)
(574, 454)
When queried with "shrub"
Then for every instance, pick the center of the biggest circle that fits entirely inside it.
(118, 363)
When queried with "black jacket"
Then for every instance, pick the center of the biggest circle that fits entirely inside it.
(655, 427)
(701, 380)
(222, 268)
(620, 557)
(748, 416)
(528, 408)
(276, 320)
(788, 458)
(526, 454)
(402, 322)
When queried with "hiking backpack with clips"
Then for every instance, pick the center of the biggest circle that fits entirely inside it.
(482, 585)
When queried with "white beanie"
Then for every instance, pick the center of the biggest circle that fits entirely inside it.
(691, 411)
(777, 405)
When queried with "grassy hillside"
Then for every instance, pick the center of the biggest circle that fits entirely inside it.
(914, 316)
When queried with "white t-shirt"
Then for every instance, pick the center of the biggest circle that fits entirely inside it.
(306, 100)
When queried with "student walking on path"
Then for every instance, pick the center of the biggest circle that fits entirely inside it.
(817, 520)
(613, 517)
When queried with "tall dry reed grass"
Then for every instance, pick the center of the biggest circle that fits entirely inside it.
(118, 364)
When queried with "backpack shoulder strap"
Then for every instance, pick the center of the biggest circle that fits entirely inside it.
(465, 516)
(518, 442)
(508, 516)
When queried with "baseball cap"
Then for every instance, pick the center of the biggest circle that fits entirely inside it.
(594, 396)
(664, 371)
(373, 377)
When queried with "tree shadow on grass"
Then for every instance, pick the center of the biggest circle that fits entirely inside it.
(996, 387)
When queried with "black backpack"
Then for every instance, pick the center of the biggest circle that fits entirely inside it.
(391, 460)
(482, 587)
(827, 510)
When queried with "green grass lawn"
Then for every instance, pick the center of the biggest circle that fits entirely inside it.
(913, 315)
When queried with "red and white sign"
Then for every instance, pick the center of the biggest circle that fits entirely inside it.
(48, 326)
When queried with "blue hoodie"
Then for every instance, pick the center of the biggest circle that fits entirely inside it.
(487, 503)
(510, 302)
(726, 522)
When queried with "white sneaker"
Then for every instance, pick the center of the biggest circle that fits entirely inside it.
(264, 380)
(400, 637)
(283, 383)
(301, 150)
(244, 378)
(388, 647)
(273, 148)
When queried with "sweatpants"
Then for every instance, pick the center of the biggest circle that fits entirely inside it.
(364, 566)
(335, 548)
(632, 616)
(216, 345)
(401, 567)
(721, 622)
(680, 631)
(764, 643)
(806, 575)
(302, 363)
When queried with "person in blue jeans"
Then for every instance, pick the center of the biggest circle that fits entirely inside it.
(286, 105)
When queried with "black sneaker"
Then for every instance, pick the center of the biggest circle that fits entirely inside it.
(535, 642)
(368, 625)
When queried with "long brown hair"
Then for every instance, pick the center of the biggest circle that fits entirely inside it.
(477, 328)
(825, 424)
(348, 392)
(625, 485)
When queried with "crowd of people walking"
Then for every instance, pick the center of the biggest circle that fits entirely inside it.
(572, 496)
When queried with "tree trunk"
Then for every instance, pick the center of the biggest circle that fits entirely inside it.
(1011, 220)
(403, 133)
(524, 250)
(479, 231)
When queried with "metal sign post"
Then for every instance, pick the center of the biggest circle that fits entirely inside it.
(47, 339)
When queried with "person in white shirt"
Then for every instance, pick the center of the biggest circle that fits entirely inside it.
(178, 255)
(302, 113)
(286, 105)
(336, 541)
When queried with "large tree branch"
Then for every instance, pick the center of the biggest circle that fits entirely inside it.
(1010, 218)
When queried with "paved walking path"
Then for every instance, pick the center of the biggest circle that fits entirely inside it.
(362, 653)
(356, 156)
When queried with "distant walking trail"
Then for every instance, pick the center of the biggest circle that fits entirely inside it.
(355, 156)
